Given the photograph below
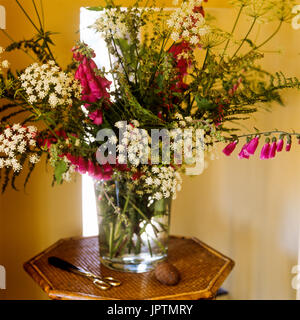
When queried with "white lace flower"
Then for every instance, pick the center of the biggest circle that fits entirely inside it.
(175, 36)
(34, 159)
(3, 64)
(149, 181)
(194, 40)
(48, 81)
(15, 141)
(158, 196)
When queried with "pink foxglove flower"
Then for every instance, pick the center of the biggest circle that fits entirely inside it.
(82, 166)
(288, 146)
(97, 117)
(94, 87)
(91, 168)
(265, 151)
(230, 148)
(252, 146)
(279, 145)
(73, 159)
(272, 151)
(244, 153)
(103, 172)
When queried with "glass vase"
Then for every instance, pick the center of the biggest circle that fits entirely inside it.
(133, 229)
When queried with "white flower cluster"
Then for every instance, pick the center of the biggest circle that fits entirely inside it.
(187, 24)
(15, 141)
(161, 182)
(4, 64)
(67, 176)
(47, 83)
(112, 23)
(135, 143)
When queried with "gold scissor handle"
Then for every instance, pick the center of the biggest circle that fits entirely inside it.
(103, 285)
(113, 282)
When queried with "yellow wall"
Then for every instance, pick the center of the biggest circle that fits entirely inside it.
(247, 209)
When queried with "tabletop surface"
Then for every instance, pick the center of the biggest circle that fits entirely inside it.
(202, 271)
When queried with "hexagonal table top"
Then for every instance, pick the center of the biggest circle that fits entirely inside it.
(202, 271)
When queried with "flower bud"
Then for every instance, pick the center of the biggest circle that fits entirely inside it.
(288, 144)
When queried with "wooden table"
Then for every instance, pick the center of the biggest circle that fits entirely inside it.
(202, 270)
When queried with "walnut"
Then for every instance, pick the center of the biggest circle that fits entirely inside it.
(167, 274)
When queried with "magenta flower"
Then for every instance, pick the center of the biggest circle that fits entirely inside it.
(265, 151)
(230, 148)
(82, 165)
(252, 146)
(104, 172)
(97, 117)
(73, 159)
(244, 153)
(288, 146)
(94, 87)
(272, 151)
(279, 145)
(91, 168)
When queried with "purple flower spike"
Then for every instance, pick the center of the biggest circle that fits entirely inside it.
(229, 148)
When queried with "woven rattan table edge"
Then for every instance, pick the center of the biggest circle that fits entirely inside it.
(207, 293)
(223, 272)
(35, 273)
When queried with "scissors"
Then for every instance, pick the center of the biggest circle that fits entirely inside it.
(103, 283)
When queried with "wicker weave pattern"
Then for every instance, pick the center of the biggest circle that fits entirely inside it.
(202, 270)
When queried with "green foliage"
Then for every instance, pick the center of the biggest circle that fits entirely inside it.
(60, 168)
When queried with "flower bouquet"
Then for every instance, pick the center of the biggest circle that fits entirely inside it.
(175, 85)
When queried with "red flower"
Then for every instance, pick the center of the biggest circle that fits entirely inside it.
(199, 10)
(136, 175)
(181, 63)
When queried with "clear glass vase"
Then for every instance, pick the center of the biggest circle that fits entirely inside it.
(133, 229)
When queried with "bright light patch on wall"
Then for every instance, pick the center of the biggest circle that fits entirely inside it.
(2, 18)
(92, 39)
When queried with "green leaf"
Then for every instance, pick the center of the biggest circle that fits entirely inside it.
(204, 103)
(251, 44)
(95, 8)
(160, 80)
(60, 169)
